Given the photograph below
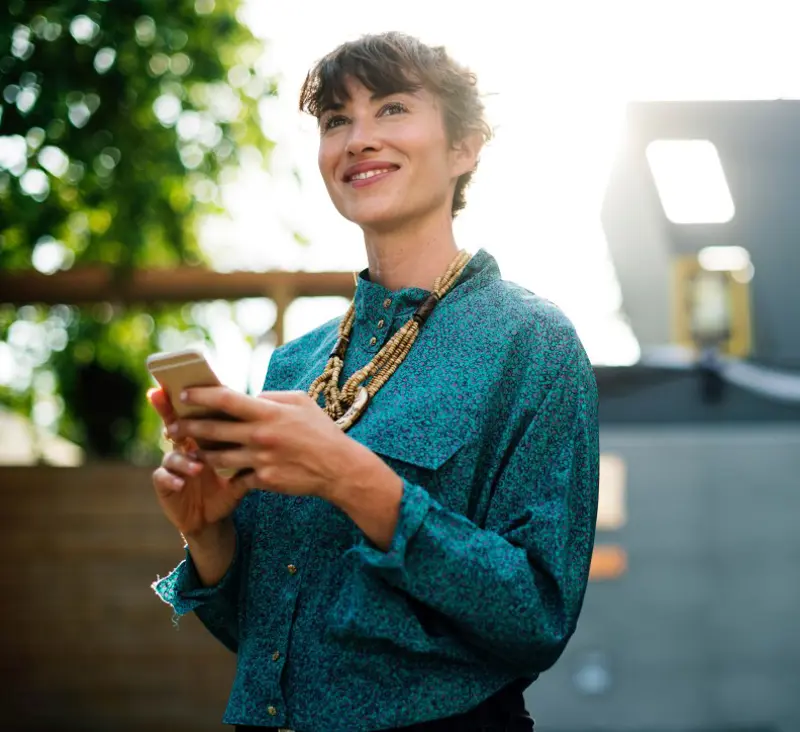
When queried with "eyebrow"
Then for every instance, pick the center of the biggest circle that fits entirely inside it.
(374, 97)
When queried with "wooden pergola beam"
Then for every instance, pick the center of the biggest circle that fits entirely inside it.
(91, 284)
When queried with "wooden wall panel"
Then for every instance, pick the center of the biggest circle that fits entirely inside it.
(86, 645)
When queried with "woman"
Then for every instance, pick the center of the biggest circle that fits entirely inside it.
(407, 543)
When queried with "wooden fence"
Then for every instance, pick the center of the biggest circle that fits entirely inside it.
(86, 645)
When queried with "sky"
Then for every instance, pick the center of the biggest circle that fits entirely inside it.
(556, 77)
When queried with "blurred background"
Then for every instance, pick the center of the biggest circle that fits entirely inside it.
(158, 189)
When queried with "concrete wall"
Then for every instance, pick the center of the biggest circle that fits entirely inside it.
(703, 631)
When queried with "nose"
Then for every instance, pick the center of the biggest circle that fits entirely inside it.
(363, 137)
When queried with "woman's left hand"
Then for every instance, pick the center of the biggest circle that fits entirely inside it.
(289, 442)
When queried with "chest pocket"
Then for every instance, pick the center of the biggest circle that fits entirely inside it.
(417, 444)
(415, 431)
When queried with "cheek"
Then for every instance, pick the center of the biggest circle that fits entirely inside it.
(326, 160)
(430, 151)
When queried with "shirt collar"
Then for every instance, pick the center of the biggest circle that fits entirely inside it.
(372, 299)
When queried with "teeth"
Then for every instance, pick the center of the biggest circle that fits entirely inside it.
(369, 174)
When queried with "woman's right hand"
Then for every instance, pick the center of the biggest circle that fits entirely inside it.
(192, 496)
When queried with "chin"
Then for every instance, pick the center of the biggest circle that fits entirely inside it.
(377, 217)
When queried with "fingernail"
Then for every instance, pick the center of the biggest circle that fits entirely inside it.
(172, 429)
(176, 481)
(184, 397)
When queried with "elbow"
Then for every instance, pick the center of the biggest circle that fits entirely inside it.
(538, 639)
(537, 652)
(543, 656)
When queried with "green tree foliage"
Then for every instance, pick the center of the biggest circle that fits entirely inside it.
(118, 121)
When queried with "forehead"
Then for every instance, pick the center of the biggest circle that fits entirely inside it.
(338, 82)
(354, 91)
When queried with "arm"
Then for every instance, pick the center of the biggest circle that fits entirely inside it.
(212, 551)
(515, 588)
(208, 581)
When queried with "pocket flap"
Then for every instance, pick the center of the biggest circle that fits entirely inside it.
(423, 439)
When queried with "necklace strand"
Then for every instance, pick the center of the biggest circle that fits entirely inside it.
(346, 404)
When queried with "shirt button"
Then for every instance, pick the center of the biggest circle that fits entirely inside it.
(381, 323)
(373, 341)
(276, 655)
(271, 711)
(387, 302)
(292, 569)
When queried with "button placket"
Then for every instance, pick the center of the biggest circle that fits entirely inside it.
(380, 325)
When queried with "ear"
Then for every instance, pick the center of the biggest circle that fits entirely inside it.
(466, 152)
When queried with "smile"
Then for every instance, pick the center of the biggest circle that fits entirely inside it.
(369, 174)
(367, 177)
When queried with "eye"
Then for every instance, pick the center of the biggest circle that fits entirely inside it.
(335, 120)
(393, 108)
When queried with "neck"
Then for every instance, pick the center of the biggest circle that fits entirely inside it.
(411, 256)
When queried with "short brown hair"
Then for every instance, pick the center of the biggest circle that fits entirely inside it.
(393, 62)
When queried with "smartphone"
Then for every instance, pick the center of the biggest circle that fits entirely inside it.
(179, 370)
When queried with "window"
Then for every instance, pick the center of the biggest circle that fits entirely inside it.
(611, 509)
(690, 181)
(610, 561)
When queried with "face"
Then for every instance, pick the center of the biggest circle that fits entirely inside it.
(387, 161)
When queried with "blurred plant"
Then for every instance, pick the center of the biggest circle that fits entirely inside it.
(118, 123)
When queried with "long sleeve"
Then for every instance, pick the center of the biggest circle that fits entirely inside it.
(216, 606)
(513, 588)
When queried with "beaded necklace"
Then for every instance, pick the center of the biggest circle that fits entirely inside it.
(347, 404)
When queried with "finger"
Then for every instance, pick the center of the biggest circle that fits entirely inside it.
(244, 482)
(285, 397)
(213, 430)
(167, 482)
(223, 399)
(182, 464)
(237, 459)
(182, 444)
(160, 401)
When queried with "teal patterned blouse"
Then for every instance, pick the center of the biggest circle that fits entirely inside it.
(491, 422)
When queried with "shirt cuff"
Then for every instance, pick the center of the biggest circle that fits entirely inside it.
(414, 507)
(183, 590)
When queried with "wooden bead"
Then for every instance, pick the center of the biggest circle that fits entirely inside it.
(346, 405)
(423, 311)
(340, 348)
(349, 418)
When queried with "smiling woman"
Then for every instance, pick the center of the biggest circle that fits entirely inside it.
(410, 545)
(356, 86)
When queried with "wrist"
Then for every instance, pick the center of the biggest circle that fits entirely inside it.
(371, 494)
(210, 535)
(366, 475)
(368, 481)
(212, 551)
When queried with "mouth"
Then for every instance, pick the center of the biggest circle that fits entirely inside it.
(367, 177)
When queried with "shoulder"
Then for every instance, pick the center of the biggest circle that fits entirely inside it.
(288, 358)
(539, 356)
(526, 327)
